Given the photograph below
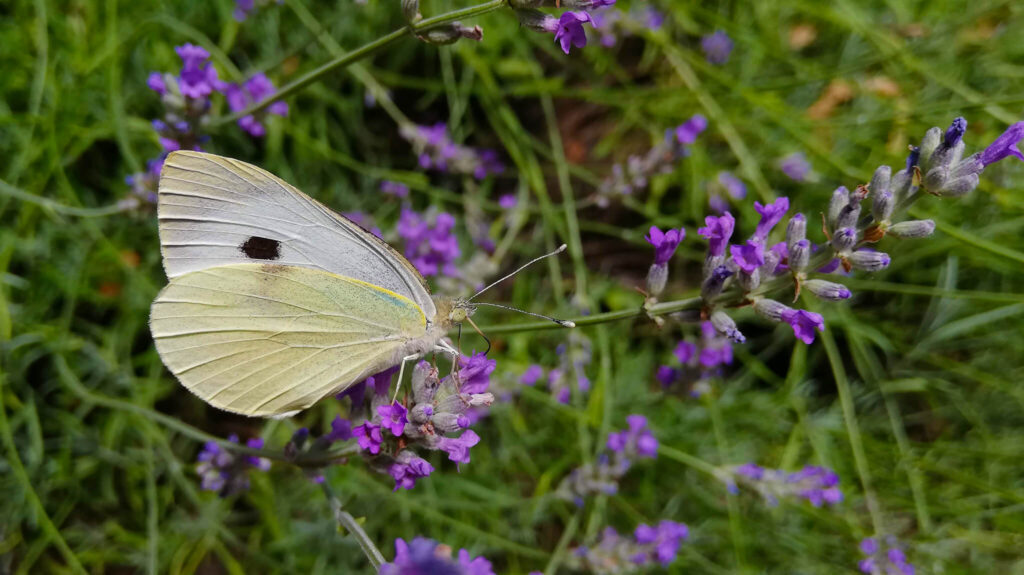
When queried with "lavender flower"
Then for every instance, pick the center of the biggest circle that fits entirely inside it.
(636, 441)
(748, 256)
(665, 244)
(615, 554)
(143, 186)
(718, 230)
(532, 375)
(662, 158)
(432, 248)
(716, 47)
(426, 557)
(795, 166)
(892, 562)
(394, 417)
(198, 78)
(623, 448)
(407, 468)
(507, 201)
(804, 323)
(396, 189)
(1006, 145)
(771, 215)
(225, 472)
(369, 436)
(814, 484)
(252, 91)
(436, 150)
(573, 358)
(568, 29)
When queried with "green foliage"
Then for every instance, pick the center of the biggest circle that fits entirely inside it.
(913, 394)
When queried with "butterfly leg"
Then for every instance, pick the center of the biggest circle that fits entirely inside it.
(401, 374)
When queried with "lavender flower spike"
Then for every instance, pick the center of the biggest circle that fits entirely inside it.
(665, 243)
(716, 47)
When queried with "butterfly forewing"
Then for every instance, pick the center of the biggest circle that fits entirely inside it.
(269, 339)
(216, 211)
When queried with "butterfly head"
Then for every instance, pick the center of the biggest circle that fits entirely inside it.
(462, 310)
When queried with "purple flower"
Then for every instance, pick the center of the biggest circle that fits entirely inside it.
(475, 373)
(892, 562)
(407, 468)
(341, 429)
(156, 83)
(432, 249)
(716, 47)
(666, 375)
(254, 90)
(795, 166)
(569, 30)
(420, 557)
(733, 185)
(396, 189)
(771, 215)
(804, 323)
(458, 448)
(748, 256)
(955, 132)
(368, 436)
(718, 230)
(634, 441)
(665, 243)
(685, 351)
(394, 416)
(507, 201)
(242, 9)
(687, 132)
(531, 375)
(1004, 146)
(198, 77)
(222, 471)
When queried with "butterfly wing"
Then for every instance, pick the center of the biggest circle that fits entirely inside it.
(267, 339)
(216, 211)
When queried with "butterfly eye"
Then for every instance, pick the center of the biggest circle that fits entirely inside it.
(458, 315)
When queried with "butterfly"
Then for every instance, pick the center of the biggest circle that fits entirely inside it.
(275, 301)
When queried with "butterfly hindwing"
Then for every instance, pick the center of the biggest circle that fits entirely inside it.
(216, 211)
(268, 339)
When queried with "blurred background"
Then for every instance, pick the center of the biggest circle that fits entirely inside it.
(912, 396)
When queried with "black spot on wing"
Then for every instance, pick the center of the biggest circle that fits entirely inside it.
(258, 248)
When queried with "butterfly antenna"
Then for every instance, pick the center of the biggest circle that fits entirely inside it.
(560, 249)
(561, 322)
(470, 320)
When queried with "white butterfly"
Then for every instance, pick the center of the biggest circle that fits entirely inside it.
(275, 301)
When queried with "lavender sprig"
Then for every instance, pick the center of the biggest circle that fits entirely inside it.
(616, 554)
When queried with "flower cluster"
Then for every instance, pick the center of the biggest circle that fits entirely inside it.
(430, 242)
(623, 448)
(396, 189)
(436, 151)
(610, 24)
(818, 485)
(618, 554)
(699, 362)
(244, 8)
(226, 472)
(892, 562)
(660, 159)
(391, 431)
(252, 91)
(573, 357)
(143, 186)
(424, 556)
(567, 27)
(716, 47)
(732, 187)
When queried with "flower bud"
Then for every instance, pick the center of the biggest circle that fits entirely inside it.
(844, 239)
(770, 309)
(796, 230)
(451, 33)
(411, 11)
(880, 180)
(826, 290)
(421, 413)
(849, 214)
(711, 263)
(930, 142)
(657, 276)
(912, 229)
(454, 403)
(771, 261)
(840, 198)
(424, 382)
(869, 261)
(958, 187)
(714, 282)
(902, 186)
(799, 255)
(450, 422)
(536, 20)
(725, 325)
(882, 206)
(936, 178)
(749, 282)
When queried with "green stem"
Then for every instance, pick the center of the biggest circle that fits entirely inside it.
(598, 318)
(360, 53)
(349, 523)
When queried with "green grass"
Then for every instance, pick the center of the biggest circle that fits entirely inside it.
(913, 394)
